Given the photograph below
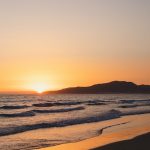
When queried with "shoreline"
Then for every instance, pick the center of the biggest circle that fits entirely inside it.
(116, 130)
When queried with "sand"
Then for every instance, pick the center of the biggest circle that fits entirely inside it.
(124, 128)
(138, 143)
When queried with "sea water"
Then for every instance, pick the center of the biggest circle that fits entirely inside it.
(34, 121)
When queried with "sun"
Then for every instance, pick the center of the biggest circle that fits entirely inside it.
(40, 87)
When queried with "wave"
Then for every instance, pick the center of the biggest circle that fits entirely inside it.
(42, 105)
(128, 106)
(22, 114)
(59, 110)
(100, 117)
(134, 101)
(33, 112)
(133, 105)
(90, 102)
(56, 104)
(14, 107)
(99, 103)
(112, 114)
(137, 112)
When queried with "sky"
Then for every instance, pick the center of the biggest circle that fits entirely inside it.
(59, 43)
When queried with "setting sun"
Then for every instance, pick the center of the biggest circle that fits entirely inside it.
(40, 87)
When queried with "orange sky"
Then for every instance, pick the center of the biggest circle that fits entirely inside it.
(60, 43)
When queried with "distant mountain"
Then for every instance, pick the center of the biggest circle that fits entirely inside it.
(111, 87)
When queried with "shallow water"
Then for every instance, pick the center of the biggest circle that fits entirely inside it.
(21, 114)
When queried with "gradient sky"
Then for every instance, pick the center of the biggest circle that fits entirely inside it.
(65, 43)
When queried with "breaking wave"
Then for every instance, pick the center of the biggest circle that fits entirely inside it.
(14, 107)
(100, 117)
(33, 112)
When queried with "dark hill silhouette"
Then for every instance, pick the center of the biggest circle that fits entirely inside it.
(111, 87)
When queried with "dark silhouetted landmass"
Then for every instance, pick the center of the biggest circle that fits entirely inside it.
(111, 87)
(139, 143)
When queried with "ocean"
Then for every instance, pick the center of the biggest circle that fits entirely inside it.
(34, 121)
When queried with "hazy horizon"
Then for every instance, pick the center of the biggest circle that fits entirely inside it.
(48, 90)
(53, 44)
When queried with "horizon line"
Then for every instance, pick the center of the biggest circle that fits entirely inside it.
(35, 92)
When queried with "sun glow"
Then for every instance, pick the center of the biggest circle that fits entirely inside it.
(40, 87)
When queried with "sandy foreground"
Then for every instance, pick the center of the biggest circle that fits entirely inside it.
(141, 142)
(115, 130)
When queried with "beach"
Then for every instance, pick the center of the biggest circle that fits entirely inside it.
(123, 133)
(78, 122)
(139, 143)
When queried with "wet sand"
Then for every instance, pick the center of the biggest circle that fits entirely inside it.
(126, 128)
(141, 142)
